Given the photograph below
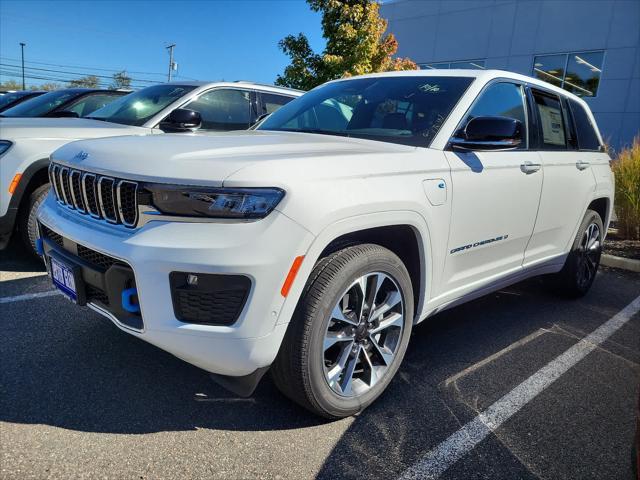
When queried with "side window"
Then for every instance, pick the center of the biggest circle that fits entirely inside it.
(91, 103)
(549, 111)
(272, 102)
(500, 100)
(587, 137)
(223, 109)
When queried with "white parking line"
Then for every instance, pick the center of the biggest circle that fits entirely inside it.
(438, 460)
(29, 296)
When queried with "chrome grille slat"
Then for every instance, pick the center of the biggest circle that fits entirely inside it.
(64, 186)
(102, 197)
(76, 190)
(126, 194)
(106, 199)
(89, 194)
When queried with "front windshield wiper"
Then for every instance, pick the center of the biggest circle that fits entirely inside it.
(96, 118)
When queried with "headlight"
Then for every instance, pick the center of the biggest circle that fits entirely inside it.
(4, 146)
(214, 202)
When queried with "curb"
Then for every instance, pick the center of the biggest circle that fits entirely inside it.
(620, 262)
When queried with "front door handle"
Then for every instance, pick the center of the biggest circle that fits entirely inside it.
(581, 165)
(529, 167)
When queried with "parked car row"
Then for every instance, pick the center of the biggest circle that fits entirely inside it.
(26, 143)
(312, 243)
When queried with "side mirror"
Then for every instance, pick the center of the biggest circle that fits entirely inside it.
(63, 114)
(489, 133)
(181, 120)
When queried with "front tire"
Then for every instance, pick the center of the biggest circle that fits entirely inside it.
(579, 271)
(28, 224)
(349, 332)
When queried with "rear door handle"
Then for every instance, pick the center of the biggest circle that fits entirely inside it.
(529, 167)
(581, 164)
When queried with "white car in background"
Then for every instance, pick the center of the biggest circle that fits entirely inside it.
(312, 244)
(26, 143)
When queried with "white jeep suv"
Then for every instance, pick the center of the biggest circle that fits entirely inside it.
(312, 244)
(26, 143)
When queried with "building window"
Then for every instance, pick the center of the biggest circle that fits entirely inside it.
(578, 73)
(468, 64)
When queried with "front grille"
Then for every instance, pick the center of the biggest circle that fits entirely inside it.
(51, 235)
(106, 198)
(95, 258)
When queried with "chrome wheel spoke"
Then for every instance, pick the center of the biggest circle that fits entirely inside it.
(338, 314)
(393, 320)
(333, 375)
(385, 354)
(331, 338)
(393, 299)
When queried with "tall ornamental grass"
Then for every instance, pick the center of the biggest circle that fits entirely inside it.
(626, 168)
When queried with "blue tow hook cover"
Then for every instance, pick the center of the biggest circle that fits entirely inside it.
(127, 300)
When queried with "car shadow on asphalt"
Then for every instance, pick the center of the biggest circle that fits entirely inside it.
(15, 258)
(68, 367)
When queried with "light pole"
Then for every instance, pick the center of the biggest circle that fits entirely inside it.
(170, 48)
(22, 44)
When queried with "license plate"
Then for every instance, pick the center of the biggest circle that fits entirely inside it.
(64, 279)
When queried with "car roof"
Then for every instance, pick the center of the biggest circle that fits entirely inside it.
(483, 75)
(243, 83)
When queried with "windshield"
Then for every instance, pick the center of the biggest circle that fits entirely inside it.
(136, 108)
(9, 98)
(407, 110)
(41, 105)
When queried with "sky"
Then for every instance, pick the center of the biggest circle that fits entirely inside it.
(215, 39)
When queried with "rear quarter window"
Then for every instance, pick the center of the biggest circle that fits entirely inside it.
(585, 130)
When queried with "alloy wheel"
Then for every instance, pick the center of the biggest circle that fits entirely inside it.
(589, 254)
(363, 334)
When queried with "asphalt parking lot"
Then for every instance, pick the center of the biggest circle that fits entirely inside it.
(82, 399)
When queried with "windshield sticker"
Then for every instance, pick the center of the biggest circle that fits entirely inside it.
(427, 87)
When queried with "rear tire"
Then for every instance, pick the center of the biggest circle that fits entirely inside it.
(349, 332)
(579, 271)
(28, 224)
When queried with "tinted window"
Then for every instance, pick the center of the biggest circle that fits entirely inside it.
(408, 109)
(578, 73)
(90, 103)
(9, 98)
(587, 137)
(550, 114)
(40, 106)
(223, 109)
(272, 102)
(139, 107)
(500, 100)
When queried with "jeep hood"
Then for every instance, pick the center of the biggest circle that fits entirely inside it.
(14, 128)
(208, 159)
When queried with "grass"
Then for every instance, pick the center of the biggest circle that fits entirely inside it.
(626, 168)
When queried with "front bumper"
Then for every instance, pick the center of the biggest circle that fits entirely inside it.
(262, 251)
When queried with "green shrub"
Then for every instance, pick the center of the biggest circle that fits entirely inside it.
(626, 168)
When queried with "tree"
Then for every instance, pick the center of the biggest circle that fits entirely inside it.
(11, 85)
(121, 80)
(356, 44)
(49, 86)
(90, 81)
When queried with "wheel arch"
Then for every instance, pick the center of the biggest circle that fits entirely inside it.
(395, 230)
(33, 177)
(601, 206)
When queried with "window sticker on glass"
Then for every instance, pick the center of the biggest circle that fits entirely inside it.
(552, 127)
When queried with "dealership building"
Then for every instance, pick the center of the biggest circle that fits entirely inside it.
(589, 47)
